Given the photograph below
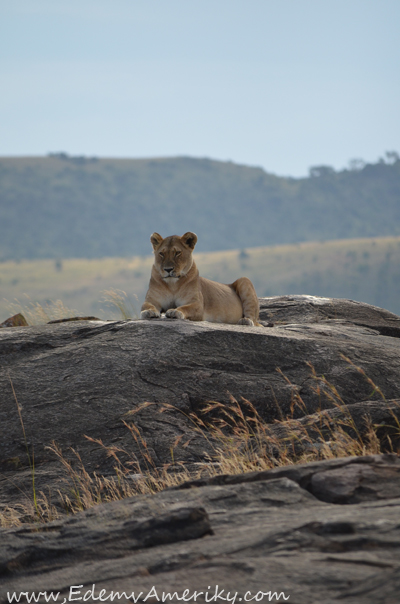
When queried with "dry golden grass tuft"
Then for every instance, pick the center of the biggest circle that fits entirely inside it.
(119, 300)
(241, 442)
(39, 314)
(53, 310)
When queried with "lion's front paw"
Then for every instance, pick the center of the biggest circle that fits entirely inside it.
(246, 321)
(150, 314)
(174, 313)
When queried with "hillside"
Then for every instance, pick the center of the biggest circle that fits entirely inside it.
(75, 207)
(367, 270)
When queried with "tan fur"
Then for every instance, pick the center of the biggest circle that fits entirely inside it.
(177, 289)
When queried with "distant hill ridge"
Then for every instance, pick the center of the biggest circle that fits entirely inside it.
(70, 207)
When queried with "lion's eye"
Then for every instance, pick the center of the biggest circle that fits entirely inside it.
(177, 254)
(161, 254)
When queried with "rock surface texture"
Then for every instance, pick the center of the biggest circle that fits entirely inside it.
(323, 532)
(319, 533)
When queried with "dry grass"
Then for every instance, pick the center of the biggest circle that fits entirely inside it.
(42, 511)
(37, 507)
(39, 314)
(247, 443)
(115, 300)
(119, 300)
(241, 441)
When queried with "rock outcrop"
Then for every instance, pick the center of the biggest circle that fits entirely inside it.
(323, 532)
(319, 532)
(15, 321)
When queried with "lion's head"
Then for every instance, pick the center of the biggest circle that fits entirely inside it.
(173, 255)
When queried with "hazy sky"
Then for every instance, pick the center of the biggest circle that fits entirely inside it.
(283, 84)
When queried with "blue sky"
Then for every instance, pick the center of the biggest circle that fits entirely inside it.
(282, 84)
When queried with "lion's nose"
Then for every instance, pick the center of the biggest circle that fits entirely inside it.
(168, 270)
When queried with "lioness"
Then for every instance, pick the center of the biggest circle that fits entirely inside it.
(177, 289)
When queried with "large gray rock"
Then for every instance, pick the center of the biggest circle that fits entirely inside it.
(82, 379)
(320, 532)
(278, 531)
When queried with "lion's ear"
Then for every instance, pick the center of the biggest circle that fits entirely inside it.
(156, 239)
(189, 239)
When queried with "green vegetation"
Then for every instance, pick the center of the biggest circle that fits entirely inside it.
(361, 269)
(74, 207)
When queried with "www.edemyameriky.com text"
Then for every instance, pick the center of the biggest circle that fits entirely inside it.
(79, 593)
